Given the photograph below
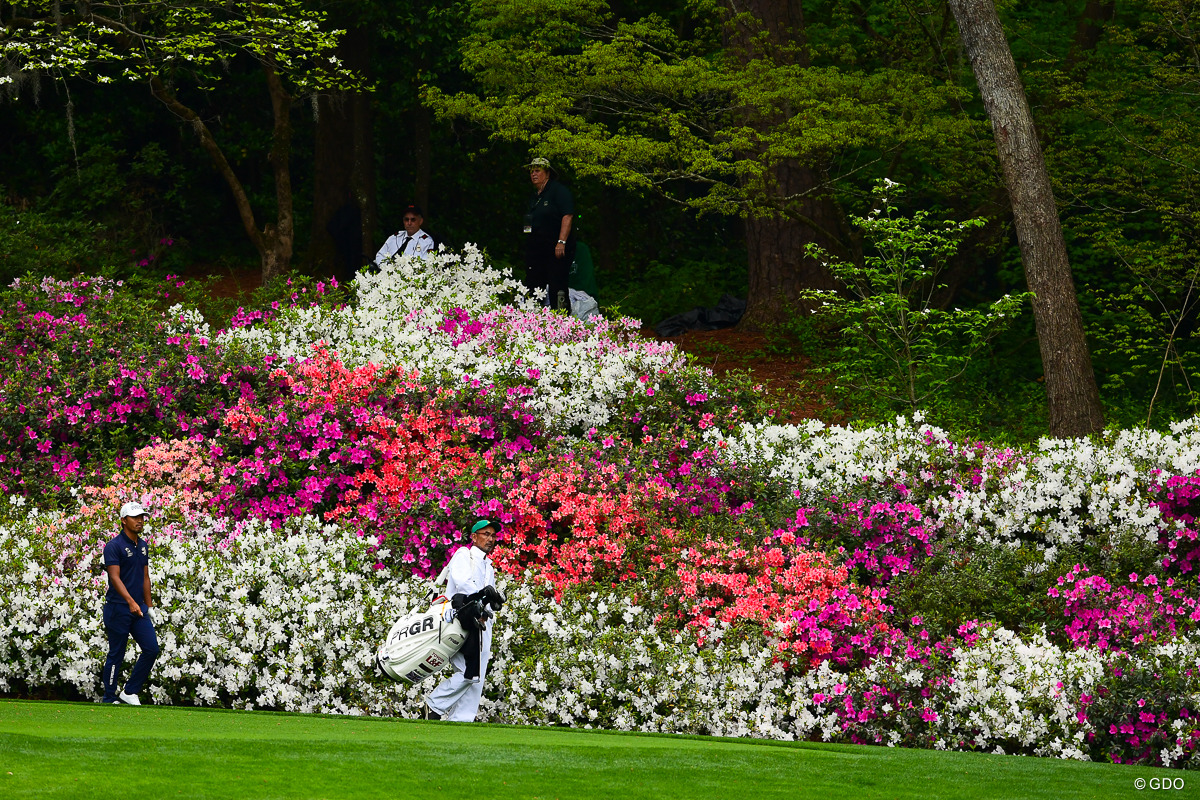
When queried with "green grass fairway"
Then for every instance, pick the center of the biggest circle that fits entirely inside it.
(69, 750)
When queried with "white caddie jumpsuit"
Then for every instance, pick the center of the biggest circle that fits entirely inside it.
(457, 697)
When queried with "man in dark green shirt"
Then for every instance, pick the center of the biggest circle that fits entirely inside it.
(549, 240)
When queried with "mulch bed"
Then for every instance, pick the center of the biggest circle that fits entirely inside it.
(795, 394)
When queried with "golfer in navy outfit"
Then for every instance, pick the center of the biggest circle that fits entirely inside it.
(127, 607)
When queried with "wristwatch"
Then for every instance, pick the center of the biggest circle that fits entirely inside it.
(562, 241)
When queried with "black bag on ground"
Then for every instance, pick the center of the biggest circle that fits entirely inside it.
(725, 314)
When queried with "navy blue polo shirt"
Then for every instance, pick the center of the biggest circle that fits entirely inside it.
(133, 559)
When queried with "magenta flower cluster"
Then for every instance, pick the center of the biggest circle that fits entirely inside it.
(1182, 543)
(1110, 617)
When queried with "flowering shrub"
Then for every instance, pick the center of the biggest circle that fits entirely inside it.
(800, 597)
(1173, 500)
(884, 539)
(89, 375)
(1051, 496)
(673, 564)
(176, 474)
(461, 324)
(1121, 617)
(1144, 711)
(260, 620)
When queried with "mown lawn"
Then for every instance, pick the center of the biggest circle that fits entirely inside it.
(68, 750)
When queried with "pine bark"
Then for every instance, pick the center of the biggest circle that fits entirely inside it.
(1071, 393)
(798, 209)
(280, 236)
(422, 119)
(1089, 29)
(343, 162)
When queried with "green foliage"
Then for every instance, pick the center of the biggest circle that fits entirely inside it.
(665, 289)
(106, 42)
(1119, 126)
(661, 105)
(991, 398)
(43, 243)
(896, 342)
(1146, 342)
(1008, 584)
(104, 215)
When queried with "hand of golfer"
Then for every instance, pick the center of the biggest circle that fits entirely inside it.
(560, 250)
(135, 608)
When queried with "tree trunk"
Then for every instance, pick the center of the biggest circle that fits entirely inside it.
(800, 210)
(422, 155)
(281, 236)
(343, 171)
(779, 268)
(209, 143)
(1071, 393)
(274, 241)
(364, 170)
(1089, 29)
(334, 206)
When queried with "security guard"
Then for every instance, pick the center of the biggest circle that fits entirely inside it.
(549, 238)
(412, 241)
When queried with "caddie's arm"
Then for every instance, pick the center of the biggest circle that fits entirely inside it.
(114, 578)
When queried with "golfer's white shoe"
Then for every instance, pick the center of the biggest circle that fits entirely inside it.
(129, 699)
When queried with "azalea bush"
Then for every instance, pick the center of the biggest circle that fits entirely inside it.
(249, 618)
(675, 561)
(459, 323)
(91, 373)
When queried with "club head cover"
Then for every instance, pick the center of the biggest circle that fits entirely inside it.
(468, 609)
(493, 597)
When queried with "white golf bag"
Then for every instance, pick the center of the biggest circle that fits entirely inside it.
(420, 644)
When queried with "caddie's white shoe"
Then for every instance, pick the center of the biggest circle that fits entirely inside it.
(129, 699)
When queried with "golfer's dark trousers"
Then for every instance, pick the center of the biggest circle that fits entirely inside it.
(545, 271)
(119, 625)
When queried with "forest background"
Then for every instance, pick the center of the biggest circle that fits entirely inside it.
(711, 146)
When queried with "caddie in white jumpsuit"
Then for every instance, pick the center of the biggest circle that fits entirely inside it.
(470, 569)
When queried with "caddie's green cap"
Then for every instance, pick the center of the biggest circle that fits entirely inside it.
(483, 523)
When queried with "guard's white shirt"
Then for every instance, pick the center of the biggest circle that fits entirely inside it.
(401, 244)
